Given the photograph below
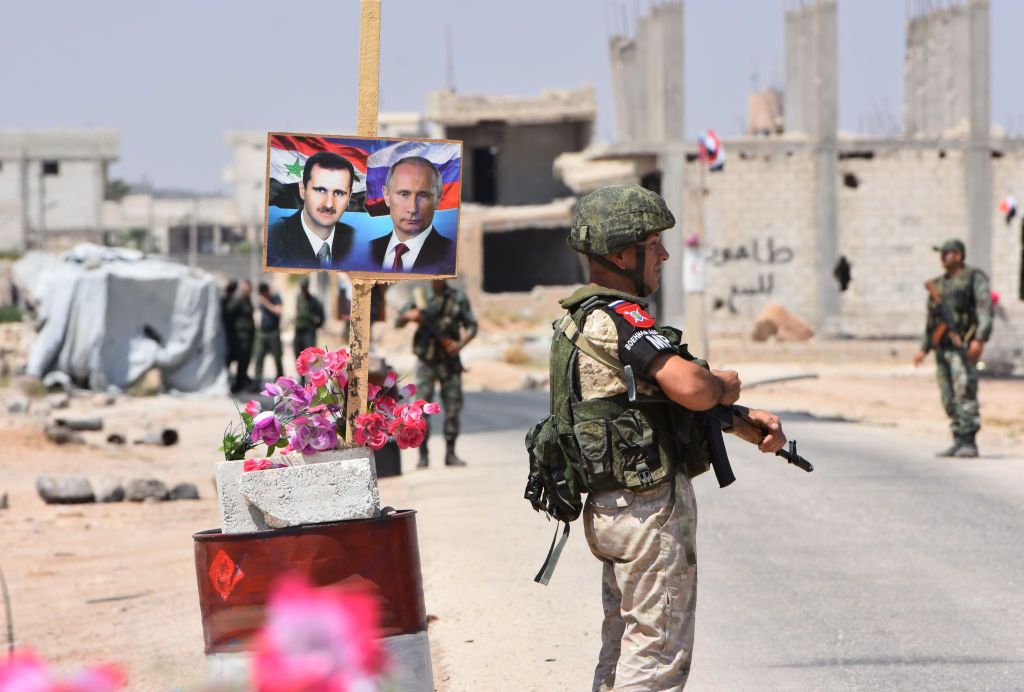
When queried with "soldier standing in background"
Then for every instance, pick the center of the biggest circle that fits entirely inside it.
(268, 337)
(309, 316)
(229, 333)
(963, 295)
(241, 332)
(446, 325)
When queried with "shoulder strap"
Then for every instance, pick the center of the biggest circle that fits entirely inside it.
(568, 327)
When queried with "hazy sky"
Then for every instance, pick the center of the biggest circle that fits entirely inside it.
(173, 77)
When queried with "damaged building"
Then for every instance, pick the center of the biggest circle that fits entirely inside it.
(837, 227)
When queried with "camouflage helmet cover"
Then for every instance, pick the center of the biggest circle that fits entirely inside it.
(614, 217)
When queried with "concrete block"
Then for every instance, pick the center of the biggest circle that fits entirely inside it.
(64, 490)
(331, 486)
(141, 489)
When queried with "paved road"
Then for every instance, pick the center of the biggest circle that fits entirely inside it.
(884, 569)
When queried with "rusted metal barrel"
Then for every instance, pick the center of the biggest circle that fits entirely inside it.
(236, 571)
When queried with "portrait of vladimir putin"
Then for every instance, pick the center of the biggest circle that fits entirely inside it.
(412, 192)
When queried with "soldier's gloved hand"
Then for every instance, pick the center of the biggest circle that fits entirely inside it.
(974, 351)
(730, 381)
(775, 439)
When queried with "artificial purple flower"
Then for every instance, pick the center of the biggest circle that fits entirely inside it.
(312, 434)
(266, 428)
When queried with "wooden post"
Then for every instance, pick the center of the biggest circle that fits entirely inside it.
(359, 321)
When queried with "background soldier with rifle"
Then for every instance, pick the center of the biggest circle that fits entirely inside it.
(624, 430)
(958, 325)
(446, 325)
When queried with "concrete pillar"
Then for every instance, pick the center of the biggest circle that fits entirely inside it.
(647, 77)
(671, 161)
(825, 125)
(979, 159)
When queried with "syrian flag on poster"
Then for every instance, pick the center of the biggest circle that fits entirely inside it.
(444, 155)
(288, 156)
(711, 150)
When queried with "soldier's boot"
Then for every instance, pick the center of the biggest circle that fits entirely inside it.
(958, 442)
(450, 459)
(968, 449)
(424, 461)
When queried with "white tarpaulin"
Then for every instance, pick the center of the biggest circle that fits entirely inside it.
(108, 315)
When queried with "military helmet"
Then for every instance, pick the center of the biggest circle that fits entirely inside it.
(617, 216)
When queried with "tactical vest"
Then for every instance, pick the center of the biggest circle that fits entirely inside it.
(607, 443)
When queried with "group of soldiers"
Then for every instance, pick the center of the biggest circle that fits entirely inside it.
(249, 340)
(626, 380)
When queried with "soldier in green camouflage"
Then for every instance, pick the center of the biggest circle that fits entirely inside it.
(645, 535)
(446, 325)
(965, 298)
(309, 316)
(241, 328)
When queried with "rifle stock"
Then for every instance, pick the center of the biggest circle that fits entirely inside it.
(946, 324)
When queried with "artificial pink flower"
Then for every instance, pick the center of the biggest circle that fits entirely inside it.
(25, 671)
(372, 391)
(408, 434)
(258, 465)
(337, 360)
(320, 640)
(253, 407)
(407, 391)
(432, 408)
(266, 428)
(371, 429)
(390, 379)
(312, 363)
(385, 405)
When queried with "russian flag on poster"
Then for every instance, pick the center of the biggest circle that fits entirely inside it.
(711, 150)
(446, 156)
(1008, 208)
(288, 156)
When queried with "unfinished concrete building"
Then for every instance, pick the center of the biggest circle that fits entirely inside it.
(786, 209)
(52, 186)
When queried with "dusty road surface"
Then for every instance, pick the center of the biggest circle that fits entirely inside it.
(879, 530)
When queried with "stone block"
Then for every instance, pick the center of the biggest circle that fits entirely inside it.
(66, 490)
(109, 490)
(331, 486)
(141, 489)
(185, 491)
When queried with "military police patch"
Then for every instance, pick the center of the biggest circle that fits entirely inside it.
(634, 314)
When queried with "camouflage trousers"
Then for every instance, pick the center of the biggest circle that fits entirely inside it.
(958, 386)
(451, 394)
(646, 541)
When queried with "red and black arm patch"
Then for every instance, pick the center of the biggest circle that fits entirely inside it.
(639, 340)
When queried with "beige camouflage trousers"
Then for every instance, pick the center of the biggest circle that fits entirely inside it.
(646, 541)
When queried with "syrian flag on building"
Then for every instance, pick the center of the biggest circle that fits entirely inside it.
(711, 150)
(288, 154)
(1008, 208)
(446, 156)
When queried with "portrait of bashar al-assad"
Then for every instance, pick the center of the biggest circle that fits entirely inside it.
(412, 192)
(314, 237)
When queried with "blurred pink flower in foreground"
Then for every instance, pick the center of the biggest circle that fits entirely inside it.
(25, 671)
(318, 640)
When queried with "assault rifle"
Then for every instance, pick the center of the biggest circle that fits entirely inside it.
(433, 329)
(731, 419)
(946, 324)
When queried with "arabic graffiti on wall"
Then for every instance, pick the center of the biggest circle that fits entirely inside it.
(764, 253)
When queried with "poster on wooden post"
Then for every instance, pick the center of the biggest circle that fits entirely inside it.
(376, 208)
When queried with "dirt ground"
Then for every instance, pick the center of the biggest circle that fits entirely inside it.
(117, 582)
